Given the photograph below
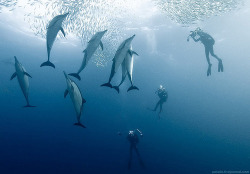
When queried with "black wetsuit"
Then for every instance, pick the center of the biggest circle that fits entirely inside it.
(133, 140)
(208, 42)
(163, 95)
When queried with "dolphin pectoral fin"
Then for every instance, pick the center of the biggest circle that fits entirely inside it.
(66, 93)
(107, 84)
(62, 31)
(80, 124)
(48, 63)
(101, 44)
(133, 52)
(132, 88)
(76, 75)
(130, 53)
(13, 76)
(84, 51)
(117, 88)
(83, 100)
(27, 74)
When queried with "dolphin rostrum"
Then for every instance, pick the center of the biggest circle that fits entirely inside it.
(118, 58)
(76, 97)
(93, 44)
(127, 69)
(22, 77)
(54, 26)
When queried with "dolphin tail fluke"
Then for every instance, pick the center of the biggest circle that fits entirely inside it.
(76, 75)
(107, 84)
(48, 63)
(132, 88)
(117, 88)
(80, 124)
(29, 106)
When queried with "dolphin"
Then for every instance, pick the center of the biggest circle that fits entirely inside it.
(54, 26)
(76, 97)
(118, 58)
(93, 44)
(127, 69)
(23, 80)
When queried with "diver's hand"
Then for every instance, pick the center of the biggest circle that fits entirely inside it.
(209, 70)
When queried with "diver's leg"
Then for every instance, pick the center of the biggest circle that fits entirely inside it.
(130, 156)
(157, 104)
(220, 65)
(208, 61)
(160, 107)
(139, 156)
(212, 53)
(207, 54)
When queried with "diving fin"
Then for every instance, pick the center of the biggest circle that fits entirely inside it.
(132, 87)
(48, 63)
(209, 70)
(13, 76)
(76, 75)
(117, 88)
(80, 124)
(220, 66)
(107, 84)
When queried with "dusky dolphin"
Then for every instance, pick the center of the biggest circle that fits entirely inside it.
(118, 58)
(54, 27)
(127, 69)
(76, 97)
(93, 44)
(23, 80)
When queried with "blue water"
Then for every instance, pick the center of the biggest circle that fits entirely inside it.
(204, 126)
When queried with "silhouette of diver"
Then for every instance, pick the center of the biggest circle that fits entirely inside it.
(208, 43)
(133, 140)
(163, 95)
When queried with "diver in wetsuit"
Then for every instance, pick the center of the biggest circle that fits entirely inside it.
(208, 43)
(163, 95)
(133, 140)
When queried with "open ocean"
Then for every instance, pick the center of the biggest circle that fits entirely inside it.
(204, 126)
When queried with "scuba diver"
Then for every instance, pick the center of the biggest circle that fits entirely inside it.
(133, 139)
(163, 95)
(208, 43)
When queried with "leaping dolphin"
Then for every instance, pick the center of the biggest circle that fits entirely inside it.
(54, 26)
(93, 44)
(23, 80)
(118, 58)
(127, 69)
(76, 97)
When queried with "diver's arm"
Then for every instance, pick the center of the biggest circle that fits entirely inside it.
(196, 40)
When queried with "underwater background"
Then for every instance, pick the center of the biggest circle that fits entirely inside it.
(204, 126)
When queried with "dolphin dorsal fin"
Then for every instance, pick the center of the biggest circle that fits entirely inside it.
(13, 76)
(101, 44)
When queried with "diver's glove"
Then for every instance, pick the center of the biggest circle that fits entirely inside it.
(220, 66)
(209, 70)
